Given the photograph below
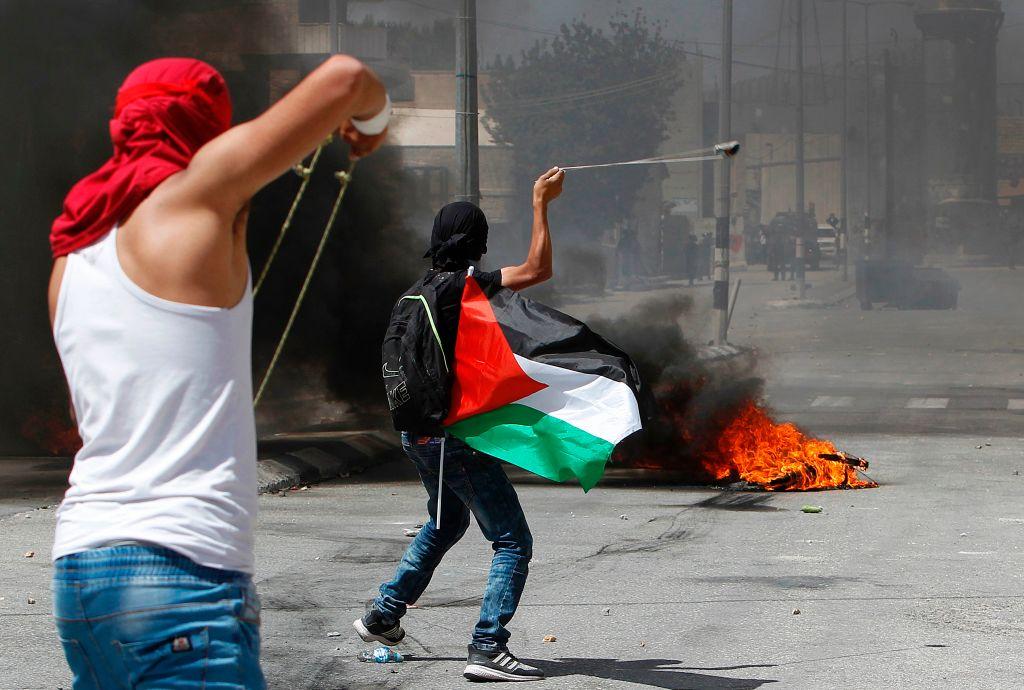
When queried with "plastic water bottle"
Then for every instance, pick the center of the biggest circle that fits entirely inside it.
(382, 655)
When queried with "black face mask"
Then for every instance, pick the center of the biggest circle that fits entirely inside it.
(459, 236)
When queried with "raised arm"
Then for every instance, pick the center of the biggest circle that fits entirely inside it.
(226, 172)
(537, 267)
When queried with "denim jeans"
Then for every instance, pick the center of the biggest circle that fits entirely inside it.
(145, 617)
(472, 482)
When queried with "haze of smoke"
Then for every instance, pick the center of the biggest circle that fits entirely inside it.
(692, 400)
(334, 349)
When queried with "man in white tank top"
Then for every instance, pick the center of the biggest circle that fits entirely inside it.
(151, 306)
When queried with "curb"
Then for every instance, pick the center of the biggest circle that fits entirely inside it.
(293, 459)
(841, 296)
(710, 353)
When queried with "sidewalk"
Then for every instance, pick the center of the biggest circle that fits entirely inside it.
(285, 460)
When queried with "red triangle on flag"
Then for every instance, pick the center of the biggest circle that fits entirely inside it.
(487, 375)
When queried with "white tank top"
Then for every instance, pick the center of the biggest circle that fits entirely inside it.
(163, 395)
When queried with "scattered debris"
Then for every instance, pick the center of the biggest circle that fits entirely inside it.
(30, 554)
(607, 612)
(812, 509)
(1016, 473)
(282, 492)
(796, 612)
(304, 488)
(846, 458)
(623, 517)
(410, 532)
(643, 643)
(334, 633)
(382, 655)
(979, 447)
(550, 638)
(31, 600)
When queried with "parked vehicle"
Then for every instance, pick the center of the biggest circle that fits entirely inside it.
(828, 245)
(791, 224)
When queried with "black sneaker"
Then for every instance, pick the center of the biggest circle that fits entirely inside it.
(499, 665)
(372, 628)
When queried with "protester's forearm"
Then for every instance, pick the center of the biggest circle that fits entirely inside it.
(538, 261)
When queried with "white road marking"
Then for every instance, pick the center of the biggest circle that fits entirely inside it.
(1015, 404)
(833, 401)
(927, 403)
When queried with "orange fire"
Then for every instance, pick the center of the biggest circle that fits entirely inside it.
(717, 434)
(778, 457)
(51, 433)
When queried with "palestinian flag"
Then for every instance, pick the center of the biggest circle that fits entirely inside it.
(537, 388)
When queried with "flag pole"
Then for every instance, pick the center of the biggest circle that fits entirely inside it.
(440, 487)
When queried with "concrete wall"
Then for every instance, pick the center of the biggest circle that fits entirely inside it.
(764, 177)
(682, 183)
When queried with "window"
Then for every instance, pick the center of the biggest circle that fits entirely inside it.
(319, 11)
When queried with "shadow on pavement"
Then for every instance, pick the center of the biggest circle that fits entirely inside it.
(656, 673)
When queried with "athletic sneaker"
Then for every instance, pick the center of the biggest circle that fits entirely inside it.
(498, 665)
(373, 628)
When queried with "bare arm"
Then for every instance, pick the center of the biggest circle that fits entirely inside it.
(208, 265)
(537, 267)
(226, 172)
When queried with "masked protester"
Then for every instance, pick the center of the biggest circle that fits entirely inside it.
(151, 307)
(472, 481)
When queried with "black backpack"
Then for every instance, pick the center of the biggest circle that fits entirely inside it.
(417, 375)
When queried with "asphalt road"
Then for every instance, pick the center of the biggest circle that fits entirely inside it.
(915, 584)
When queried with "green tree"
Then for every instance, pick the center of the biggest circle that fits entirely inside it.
(589, 95)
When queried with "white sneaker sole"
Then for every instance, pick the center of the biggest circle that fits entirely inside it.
(368, 636)
(477, 672)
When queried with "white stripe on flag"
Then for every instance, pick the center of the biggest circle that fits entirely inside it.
(595, 404)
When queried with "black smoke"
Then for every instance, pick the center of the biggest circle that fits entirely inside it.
(695, 398)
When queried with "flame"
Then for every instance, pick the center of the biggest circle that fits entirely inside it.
(56, 436)
(779, 457)
(708, 435)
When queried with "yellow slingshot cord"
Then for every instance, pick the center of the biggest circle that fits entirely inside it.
(343, 176)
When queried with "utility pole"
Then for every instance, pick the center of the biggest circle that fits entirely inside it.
(887, 241)
(843, 126)
(800, 203)
(722, 217)
(867, 131)
(467, 162)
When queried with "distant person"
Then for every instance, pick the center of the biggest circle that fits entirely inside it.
(473, 482)
(628, 253)
(704, 252)
(691, 258)
(791, 255)
(151, 307)
(775, 254)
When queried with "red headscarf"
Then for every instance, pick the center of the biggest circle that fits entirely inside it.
(165, 111)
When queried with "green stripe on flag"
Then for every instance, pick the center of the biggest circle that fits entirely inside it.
(537, 442)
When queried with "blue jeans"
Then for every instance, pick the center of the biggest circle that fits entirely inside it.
(145, 617)
(472, 482)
